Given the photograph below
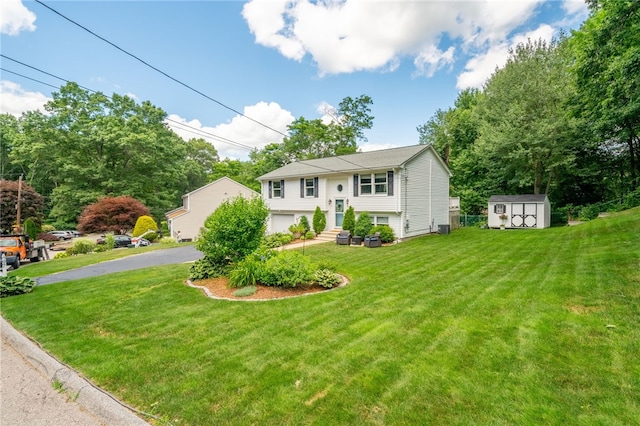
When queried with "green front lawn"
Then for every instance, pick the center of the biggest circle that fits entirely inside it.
(476, 327)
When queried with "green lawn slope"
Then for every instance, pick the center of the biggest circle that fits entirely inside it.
(475, 327)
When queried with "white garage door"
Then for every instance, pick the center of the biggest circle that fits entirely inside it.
(281, 222)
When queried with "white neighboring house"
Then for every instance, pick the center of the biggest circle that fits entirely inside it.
(519, 211)
(406, 188)
(197, 205)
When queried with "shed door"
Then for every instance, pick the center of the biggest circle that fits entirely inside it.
(524, 215)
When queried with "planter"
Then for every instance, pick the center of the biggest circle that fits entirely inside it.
(356, 241)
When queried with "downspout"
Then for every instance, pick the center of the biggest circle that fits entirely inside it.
(430, 188)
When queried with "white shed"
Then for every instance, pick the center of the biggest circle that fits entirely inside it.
(519, 211)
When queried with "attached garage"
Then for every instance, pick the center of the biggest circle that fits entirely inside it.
(280, 222)
(519, 211)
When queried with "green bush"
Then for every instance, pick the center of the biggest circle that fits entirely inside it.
(304, 223)
(276, 240)
(363, 225)
(386, 233)
(12, 285)
(31, 228)
(81, 246)
(349, 220)
(245, 273)
(207, 268)
(287, 269)
(144, 224)
(61, 255)
(327, 279)
(589, 212)
(245, 291)
(234, 230)
(319, 220)
(309, 235)
(285, 239)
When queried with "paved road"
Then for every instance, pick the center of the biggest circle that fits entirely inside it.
(187, 253)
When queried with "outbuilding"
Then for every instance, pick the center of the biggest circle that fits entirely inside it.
(519, 211)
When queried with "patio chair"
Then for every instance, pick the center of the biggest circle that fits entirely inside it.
(372, 241)
(343, 238)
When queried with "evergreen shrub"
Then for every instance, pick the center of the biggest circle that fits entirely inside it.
(386, 233)
(144, 224)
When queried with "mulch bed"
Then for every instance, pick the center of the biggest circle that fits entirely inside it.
(218, 288)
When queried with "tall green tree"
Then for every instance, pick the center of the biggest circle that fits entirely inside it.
(525, 134)
(90, 145)
(200, 161)
(607, 66)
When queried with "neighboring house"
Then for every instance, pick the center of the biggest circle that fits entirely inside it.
(519, 211)
(406, 188)
(199, 204)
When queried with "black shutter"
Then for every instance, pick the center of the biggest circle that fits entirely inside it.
(282, 188)
(356, 183)
(302, 188)
(390, 182)
(315, 187)
(270, 188)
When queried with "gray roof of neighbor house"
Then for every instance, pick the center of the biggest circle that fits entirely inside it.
(372, 160)
(522, 198)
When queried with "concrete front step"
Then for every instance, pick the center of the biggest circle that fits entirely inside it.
(328, 235)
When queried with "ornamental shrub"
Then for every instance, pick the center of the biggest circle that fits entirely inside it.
(349, 220)
(207, 268)
(327, 279)
(386, 233)
(30, 228)
(288, 269)
(319, 220)
(304, 223)
(245, 273)
(12, 285)
(363, 225)
(144, 224)
(234, 230)
(81, 246)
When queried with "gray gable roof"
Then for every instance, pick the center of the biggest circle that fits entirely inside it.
(523, 198)
(350, 163)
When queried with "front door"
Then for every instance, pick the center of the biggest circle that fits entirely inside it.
(339, 212)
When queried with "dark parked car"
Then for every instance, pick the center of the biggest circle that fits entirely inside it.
(119, 240)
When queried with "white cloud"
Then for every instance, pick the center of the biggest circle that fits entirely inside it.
(575, 7)
(240, 130)
(344, 36)
(480, 67)
(15, 100)
(14, 18)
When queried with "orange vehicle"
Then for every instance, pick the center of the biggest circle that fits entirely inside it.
(17, 247)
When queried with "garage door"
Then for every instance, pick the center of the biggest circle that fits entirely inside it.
(281, 222)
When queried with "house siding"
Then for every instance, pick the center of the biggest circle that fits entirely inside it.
(202, 202)
(426, 195)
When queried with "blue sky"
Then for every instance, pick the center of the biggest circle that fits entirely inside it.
(271, 60)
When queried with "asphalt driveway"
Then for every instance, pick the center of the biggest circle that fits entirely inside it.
(188, 253)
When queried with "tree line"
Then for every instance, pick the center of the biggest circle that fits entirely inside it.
(561, 118)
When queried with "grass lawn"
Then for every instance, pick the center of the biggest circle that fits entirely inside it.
(476, 327)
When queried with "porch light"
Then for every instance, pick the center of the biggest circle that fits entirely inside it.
(329, 201)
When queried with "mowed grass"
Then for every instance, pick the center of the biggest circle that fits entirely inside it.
(476, 327)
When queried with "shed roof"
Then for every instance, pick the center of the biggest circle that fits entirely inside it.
(372, 160)
(522, 198)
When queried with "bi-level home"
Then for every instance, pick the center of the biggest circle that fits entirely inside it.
(406, 188)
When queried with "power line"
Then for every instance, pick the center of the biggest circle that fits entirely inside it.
(159, 70)
(193, 129)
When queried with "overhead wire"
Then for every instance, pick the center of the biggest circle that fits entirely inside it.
(194, 130)
(157, 69)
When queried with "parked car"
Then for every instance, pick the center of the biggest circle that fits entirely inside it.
(62, 235)
(119, 240)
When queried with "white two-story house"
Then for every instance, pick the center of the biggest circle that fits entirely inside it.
(406, 188)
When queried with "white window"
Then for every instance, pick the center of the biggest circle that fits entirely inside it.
(381, 183)
(373, 184)
(309, 187)
(276, 189)
(500, 209)
(381, 220)
(365, 184)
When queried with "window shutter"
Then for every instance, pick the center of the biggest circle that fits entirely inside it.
(315, 187)
(302, 188)
(270, 189)
(282, 188)
(390, 182)
(356, 183)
